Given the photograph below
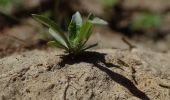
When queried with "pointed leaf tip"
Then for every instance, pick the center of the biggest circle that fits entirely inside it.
(55, 30)
(74, 26)
(99, 21)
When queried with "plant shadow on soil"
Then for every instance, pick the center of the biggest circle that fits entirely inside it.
(96, 58)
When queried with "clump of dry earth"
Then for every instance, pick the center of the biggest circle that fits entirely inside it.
(105, 74)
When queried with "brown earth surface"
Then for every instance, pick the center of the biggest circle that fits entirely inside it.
(105, 74)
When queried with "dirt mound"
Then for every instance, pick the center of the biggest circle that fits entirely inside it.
(105, 74)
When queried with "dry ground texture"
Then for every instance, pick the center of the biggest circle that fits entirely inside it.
(105, 74)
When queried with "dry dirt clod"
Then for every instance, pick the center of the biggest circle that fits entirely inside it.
(84, 78)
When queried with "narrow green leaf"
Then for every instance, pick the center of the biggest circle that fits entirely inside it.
(52, 25)
(95, 20)
(89, 46)
(72, 30)
(84, 32)
(75, 26)
(87, 36)
(55, 44)
(47, 22)
(57, 36)
(99, 21)
(77, 19)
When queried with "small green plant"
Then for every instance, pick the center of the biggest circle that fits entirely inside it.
(78, 32)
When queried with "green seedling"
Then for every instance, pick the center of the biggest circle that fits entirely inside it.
(79, 32)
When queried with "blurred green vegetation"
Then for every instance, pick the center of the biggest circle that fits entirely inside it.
(6, 2)
(146, 21)
(108, 3)
(7, 5)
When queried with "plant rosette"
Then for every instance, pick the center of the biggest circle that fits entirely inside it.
(79, 32)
